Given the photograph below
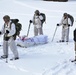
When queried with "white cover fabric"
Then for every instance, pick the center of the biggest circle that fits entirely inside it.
(27, 42)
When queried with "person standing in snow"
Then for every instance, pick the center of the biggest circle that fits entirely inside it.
(74, 44)
(8, 30)
(66, 23)
(37, 23)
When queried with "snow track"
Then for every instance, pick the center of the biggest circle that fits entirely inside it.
(49, 59)
(64, 68)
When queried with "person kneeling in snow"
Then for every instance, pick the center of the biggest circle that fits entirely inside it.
(8, 30)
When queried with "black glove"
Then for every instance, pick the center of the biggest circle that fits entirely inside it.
(7, 31)
(69, 25)
(7, 38)
(57, 24)
(30, 21)
(0, 32)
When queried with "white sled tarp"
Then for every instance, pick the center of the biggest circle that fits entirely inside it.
(27, 42)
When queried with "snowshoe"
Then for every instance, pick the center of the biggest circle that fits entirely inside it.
(60, 41)
(4, 57)
(14, 58)
(73, 60)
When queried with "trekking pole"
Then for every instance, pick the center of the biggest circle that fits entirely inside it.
(54, 33)
(28, 29)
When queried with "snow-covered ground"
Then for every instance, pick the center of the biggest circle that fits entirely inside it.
(49, 59)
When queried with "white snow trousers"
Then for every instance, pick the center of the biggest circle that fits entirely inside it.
(12, 45)
(38, 31)
(65, 34)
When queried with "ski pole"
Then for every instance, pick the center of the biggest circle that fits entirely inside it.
(54, 33)
(28, 29)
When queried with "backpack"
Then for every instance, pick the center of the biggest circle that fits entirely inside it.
(18, 27)
(71, 18)
(44, 17)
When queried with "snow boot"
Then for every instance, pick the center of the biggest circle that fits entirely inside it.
(4, 56)
(16, 58)
(73, 60)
